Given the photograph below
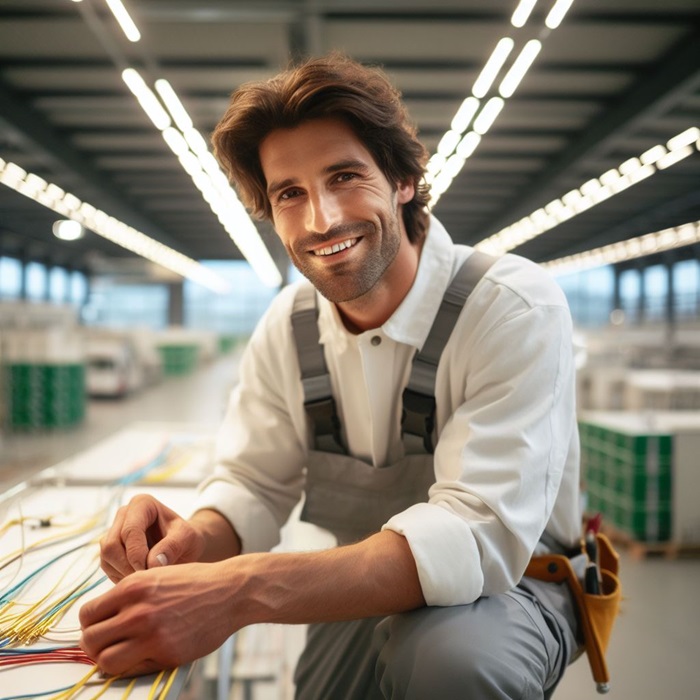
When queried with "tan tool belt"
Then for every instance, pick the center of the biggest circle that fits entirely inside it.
(597, 613)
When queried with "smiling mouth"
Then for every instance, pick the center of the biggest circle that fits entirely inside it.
(336, 248)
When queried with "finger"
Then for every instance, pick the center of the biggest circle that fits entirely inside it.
(173, 548)
(141, 514)
(126, 659)
(114, 575)
(112, 554)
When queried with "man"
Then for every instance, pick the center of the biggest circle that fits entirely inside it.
(425, 597)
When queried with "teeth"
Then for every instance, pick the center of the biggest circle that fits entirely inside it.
(336, 247)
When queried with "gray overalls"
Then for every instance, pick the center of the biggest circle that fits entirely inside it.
(431, 652)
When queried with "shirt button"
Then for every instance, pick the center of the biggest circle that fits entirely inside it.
(376, 340)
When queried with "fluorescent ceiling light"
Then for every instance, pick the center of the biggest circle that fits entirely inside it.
(522, 12)
(590, 193)
(175, 107)
(146, 98)
(468, 144)
(68, 230)
(125, 22)
(493, 66)
(650, 243)
(488, 115)
(556, 14)
(464, 115)
(673, 157)
(448, 143)
(652, 155)
(108, 227)
(520, 66)
(685, 138)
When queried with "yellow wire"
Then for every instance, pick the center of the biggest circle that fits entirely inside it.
(128, 690)
(154, 686)
(171, 679)
(66, 694)
(105, 687)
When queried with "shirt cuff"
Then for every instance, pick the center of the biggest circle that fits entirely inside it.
(445, 551)
(253, 523)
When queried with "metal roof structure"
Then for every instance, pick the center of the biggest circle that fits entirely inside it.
(615, 79)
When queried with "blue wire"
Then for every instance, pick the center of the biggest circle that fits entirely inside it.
(140, 473)
(37, 695)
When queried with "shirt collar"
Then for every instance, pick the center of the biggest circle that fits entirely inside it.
(411, 322)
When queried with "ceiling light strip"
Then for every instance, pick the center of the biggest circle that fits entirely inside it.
(557, 13)
(69, 206)
(642, 246)
(124, 19)
(522, 13)
(492, 67)
(442, 166)
(192, 152)
(592, 192)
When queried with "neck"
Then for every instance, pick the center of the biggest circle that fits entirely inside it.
(374, 308)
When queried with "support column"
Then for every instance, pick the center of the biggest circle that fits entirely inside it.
(176, 304)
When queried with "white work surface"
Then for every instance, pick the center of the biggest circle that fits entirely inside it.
(190, 453)
(57, 495)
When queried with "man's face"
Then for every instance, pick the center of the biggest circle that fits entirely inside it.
(336, 213)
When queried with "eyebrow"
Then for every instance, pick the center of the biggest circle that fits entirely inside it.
(348, 164)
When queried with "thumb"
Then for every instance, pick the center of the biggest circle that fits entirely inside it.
(162, 559)
(163, 553)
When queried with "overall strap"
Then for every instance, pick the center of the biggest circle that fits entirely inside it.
(319, 403)
(418, 417)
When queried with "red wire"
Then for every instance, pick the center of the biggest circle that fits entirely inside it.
(67, 655)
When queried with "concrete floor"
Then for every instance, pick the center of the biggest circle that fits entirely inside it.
(652, 653)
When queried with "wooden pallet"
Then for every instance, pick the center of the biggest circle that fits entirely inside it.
(645, 550)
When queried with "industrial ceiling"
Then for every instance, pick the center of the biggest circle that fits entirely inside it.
(616, 78)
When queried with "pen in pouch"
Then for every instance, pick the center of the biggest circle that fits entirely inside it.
(592, 578)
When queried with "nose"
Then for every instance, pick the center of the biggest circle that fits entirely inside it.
(323, 212)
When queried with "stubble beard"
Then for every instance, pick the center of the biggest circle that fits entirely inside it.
(347, 282)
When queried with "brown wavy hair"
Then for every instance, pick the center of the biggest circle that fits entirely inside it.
(330, 86)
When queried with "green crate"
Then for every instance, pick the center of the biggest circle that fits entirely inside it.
(45, 395)
(645, 524)
(178, 359)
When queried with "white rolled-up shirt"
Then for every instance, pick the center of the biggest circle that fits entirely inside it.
(507, 456)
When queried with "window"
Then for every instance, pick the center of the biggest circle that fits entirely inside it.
(58, 285)
(590, 295)
(78, 288)
(36, 281)
(127, 305)
(10, 278)
(630, 291)
(686, 288)
(232, 314)
(655, 292)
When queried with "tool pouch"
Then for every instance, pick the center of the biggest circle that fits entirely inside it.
(597, 613)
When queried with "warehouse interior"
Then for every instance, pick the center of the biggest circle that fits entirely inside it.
(563, 131)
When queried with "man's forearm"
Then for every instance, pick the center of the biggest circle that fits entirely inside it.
(375, 577)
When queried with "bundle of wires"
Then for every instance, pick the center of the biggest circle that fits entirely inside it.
(26, 622)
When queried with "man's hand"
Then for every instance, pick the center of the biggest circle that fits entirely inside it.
(158, 619)
(147, 534)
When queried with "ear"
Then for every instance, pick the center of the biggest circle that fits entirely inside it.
(405, 191)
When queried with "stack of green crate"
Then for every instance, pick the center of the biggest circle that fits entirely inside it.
(178, 358)
(45, 395)
(43, 380)
(628, 479)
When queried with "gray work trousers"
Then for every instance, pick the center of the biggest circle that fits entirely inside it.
(513, 645)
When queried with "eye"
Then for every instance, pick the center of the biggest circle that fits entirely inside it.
(346, 177)
(289, 194)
